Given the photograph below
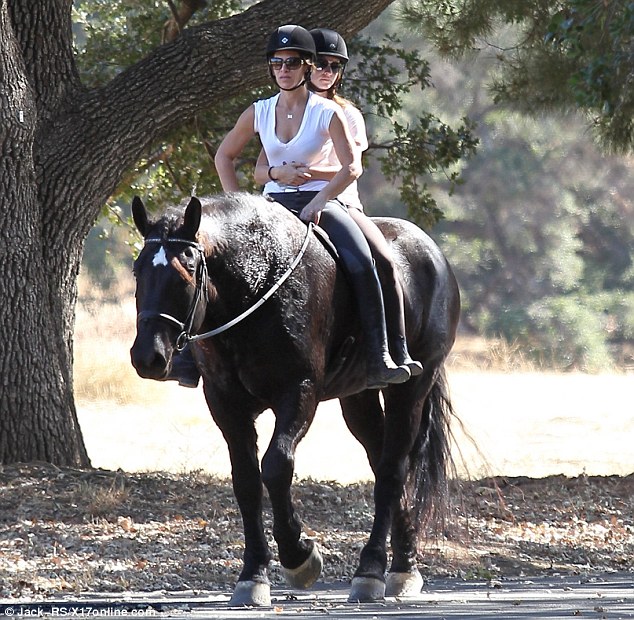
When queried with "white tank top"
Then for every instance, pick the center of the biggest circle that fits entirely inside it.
(310, 144)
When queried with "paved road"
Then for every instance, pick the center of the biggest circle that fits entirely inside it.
(552, 598)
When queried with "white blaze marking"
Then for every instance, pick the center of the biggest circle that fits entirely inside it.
(160, 258)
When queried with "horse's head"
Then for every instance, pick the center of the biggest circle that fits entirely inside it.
(171, 287)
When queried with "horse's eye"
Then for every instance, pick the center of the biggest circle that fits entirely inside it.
(188, 263)
(188, 260)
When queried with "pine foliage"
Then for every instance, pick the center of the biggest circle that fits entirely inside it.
(576, 54)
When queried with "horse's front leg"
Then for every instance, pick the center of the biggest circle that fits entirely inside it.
(299, 557)
(253, 587)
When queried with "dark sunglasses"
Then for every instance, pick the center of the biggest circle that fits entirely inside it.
(335, 66)
(292, 63)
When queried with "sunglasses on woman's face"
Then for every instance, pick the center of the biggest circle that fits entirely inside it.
(335, 66)
(293, 63)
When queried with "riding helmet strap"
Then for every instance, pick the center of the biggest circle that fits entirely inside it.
(294, 87)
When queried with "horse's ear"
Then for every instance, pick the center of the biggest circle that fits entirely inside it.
(139, 215)
(193, 214)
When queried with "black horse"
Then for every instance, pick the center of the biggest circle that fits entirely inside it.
(273, 325)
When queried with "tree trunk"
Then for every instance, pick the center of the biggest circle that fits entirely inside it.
(38, 419)
(64, 149)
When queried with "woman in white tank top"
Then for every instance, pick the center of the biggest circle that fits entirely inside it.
(297, 125)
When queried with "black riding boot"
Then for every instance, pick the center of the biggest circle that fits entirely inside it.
(401, 356)
(184, 369)
(381, 369)
(395, 317)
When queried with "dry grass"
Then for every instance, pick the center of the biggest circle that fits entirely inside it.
(474, 353)
(105, 331)
(99, 500)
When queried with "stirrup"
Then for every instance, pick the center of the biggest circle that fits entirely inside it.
(388, 376)
(415, 368)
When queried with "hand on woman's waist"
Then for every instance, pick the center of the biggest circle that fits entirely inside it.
(291, 174)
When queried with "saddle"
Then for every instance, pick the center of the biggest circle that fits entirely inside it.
(295, 202)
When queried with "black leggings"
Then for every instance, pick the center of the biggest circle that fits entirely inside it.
(343, 231)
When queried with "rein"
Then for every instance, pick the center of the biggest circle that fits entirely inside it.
(202, 276)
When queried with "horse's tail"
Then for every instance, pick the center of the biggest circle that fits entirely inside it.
(430, 463)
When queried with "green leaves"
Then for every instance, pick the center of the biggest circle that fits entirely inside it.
(384, 74)
(598, 37)
(409, 150)
(576, 54)
(420, 149)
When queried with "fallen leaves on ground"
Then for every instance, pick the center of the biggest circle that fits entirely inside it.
(77, 531)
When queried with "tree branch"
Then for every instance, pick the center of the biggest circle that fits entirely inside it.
(113, 126)
(180, 17)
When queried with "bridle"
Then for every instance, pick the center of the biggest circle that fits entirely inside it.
(201, 282)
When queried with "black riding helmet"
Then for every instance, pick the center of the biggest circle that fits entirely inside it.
(292, 37)
(330, 43)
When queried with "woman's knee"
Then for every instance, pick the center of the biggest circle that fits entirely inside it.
(386, 267)
(381, 250)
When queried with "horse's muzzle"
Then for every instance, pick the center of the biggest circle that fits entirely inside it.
(150, 358)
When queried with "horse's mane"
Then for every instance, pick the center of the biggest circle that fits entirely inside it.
(221, 211)
(248, 231)
(232, 207)
(168, 223)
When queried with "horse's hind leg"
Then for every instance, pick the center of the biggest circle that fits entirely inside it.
(364, 418)
(424, 501)
(299, 557)
(403, 412)
(403, 578)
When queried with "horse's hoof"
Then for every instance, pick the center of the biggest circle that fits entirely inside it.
(252, 594)
(404, 584)
(366, 590)
(307, 573)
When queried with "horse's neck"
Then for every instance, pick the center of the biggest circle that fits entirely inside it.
(240, 260)
(251, 248)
